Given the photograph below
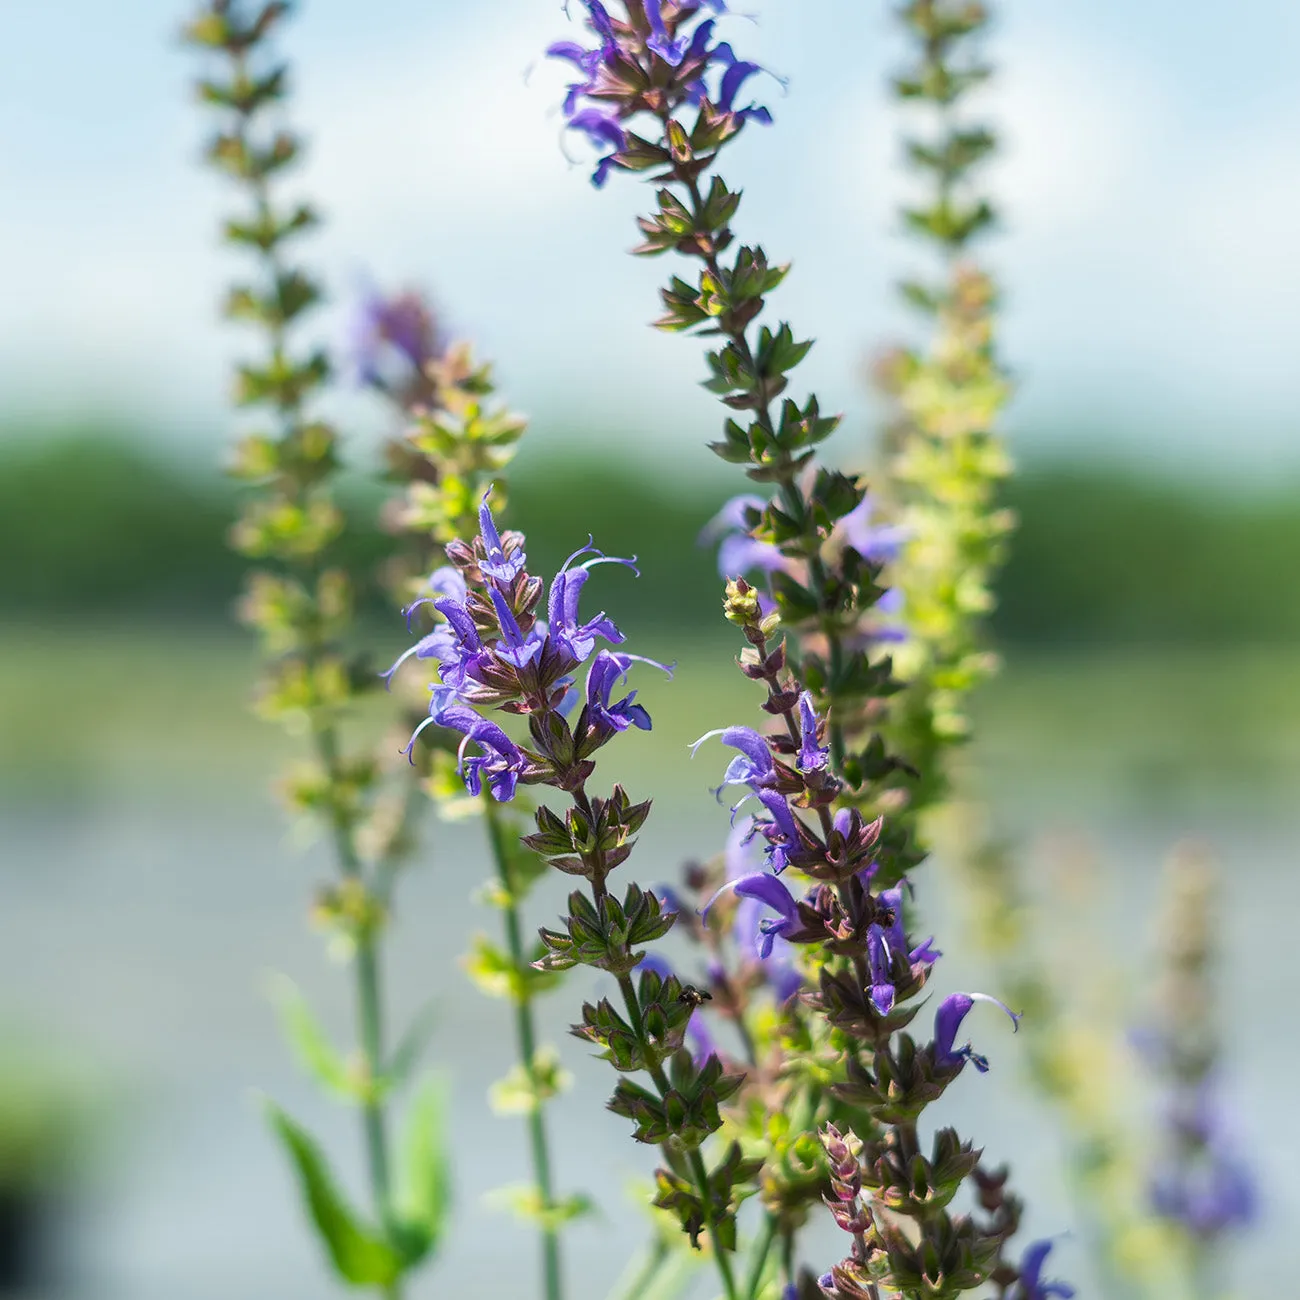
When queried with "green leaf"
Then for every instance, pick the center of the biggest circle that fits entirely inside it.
(425, 1198)
(315, 1053)
(358, 1254)
(411, 1047)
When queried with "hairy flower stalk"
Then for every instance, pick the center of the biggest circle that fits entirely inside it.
(662, 96)
(302, 606)
(945, 458)
(455, 442)
(496, 654)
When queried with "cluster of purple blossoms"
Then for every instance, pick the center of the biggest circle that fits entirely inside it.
(493, 651)
(655, 59)
(788, 772)
(1205, 1183)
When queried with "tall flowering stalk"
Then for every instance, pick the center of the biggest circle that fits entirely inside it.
(1201, 1184)
(456, 440)
(495, 653)
(302, 605)
(659, 95)
(945, 460)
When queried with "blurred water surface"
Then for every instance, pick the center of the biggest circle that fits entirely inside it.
(150, 885)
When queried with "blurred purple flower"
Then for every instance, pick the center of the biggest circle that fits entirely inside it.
(399, 325)
(738, 552)
(1031, 1285)
(878, 543)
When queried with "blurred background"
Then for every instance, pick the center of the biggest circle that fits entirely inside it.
(1148, 617)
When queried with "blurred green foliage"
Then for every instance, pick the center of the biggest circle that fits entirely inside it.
(1104, 555)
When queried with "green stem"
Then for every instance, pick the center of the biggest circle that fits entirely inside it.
(693, 1157)
(369, 1001)
(526, 1040)
(758, 1260)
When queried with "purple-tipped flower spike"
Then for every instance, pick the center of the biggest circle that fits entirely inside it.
(812, 756)
(767, 889)
(753, 766)
(497, 565)
(1032, 1286)
(947, 1021)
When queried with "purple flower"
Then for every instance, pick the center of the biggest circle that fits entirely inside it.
(497, 565)
(753, 766)
(514, 648)
(1208, 1194)
(878, 543)
(381, 326)
(780, 829)
(891, 605)
(607, 669)
(735, 76)
(667, 49)
(765, 888)
(602, 129)
(738, 552)
(778, 966)
(884, 943)
(440, 643)
(812, 756)
(1032, 1287)
(576, 639)
(947, 1020)
(501, 760)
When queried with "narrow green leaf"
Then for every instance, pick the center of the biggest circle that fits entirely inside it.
(413, 1043)
(314, 1051)
(425, 1198)
(358, 1254)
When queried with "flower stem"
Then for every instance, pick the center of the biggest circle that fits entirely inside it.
(526, 1041)
(369, 1002)
(758, 1260)
(693, 1157)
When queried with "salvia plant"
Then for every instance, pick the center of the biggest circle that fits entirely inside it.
(660, 95)
(782, 1071)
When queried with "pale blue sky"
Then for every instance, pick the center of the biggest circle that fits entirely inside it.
(1150, 188)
